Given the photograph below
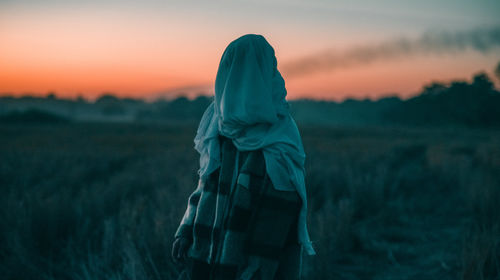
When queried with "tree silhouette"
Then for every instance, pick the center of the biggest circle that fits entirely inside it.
(482, 82)
(497, 71)
(110, 105)
(459, 103)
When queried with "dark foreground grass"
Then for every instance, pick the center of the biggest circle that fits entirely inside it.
(102, 201)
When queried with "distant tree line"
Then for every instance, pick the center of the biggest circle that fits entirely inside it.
(457, 103)
(471, 104)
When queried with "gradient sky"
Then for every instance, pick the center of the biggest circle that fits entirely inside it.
(148, 48)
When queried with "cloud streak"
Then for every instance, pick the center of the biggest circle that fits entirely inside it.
(481, 40)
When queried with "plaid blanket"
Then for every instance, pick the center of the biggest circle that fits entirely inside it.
(241, 228)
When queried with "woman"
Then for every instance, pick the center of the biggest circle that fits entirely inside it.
(247, 217)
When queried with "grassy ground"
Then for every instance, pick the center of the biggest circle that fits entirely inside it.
(102, 201)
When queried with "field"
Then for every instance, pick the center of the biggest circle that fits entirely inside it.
(102, 201)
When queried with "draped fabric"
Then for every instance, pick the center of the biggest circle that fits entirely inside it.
(250, 108)
(241, 230)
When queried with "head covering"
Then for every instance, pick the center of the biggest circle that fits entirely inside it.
(250, 108)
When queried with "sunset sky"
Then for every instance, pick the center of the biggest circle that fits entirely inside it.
(159, 48)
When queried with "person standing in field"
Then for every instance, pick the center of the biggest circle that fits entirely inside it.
(247, 217)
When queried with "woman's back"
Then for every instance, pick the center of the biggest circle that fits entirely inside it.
(242, 225)
(250, 205)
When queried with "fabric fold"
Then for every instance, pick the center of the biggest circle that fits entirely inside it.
(250, 108)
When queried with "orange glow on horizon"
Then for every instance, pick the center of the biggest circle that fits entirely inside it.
(70, 54)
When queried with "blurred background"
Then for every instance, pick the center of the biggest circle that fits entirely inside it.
(397, 103)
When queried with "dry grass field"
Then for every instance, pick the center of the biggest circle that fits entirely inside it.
(90, 201)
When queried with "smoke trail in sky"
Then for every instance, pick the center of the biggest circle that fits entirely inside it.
(481, 40)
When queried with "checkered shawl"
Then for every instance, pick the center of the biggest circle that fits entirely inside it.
(245, 230)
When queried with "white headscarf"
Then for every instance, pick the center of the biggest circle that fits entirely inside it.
(250, 108)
